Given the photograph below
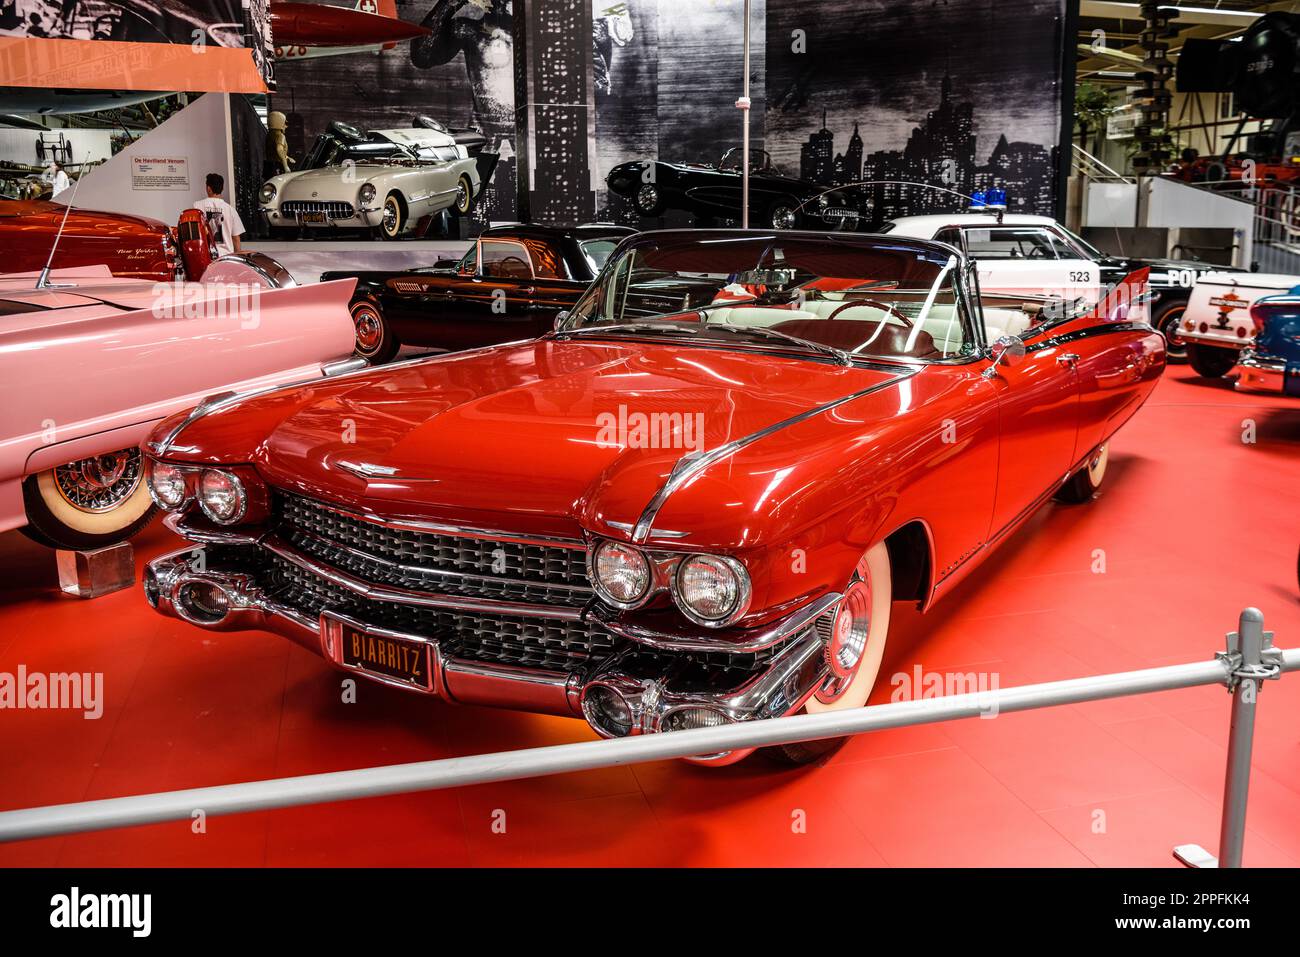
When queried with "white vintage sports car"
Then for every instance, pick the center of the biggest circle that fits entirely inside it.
(1218, 325)
(390, 181)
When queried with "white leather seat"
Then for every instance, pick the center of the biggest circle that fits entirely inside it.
(754, 315)
(1004, 322)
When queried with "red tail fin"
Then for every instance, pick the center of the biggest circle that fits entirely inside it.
(1126, 302)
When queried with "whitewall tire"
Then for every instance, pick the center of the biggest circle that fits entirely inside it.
(88, 504)
(854, 653)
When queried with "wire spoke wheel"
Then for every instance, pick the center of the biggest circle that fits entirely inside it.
(100, 483)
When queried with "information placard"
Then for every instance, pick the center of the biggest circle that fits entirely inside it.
(160, 172)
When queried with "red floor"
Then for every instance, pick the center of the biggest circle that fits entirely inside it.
(1194, 525)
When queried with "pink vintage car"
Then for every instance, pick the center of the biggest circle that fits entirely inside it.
(90, 363)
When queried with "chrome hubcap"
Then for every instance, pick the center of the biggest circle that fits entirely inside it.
(370, 330)
(848, 641)
(462, 196)
(1097, 467)
(783, 218)
(99, 483)
(390, 217)
(1173, 322)
(648, 197)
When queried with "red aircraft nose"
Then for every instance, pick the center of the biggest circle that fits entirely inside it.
(318, 25)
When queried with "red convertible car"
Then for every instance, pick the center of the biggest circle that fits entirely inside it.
(657, 518)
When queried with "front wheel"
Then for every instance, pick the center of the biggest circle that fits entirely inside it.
(649, 201)
(91, 503)
(1167, 320)
(464, 197)
(1083, 484)
(375, 341)
(854, 653)
(1212, 362)
(394, 217)
(783, 214)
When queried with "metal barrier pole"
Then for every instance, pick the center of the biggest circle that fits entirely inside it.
(559, 759)
(1252, 660)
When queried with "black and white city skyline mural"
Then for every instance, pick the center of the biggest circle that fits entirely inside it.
(675, 70)
(955, 94)
(958, 94)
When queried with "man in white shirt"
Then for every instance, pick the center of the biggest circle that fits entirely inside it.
(223, 220)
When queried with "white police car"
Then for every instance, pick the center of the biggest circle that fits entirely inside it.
(1022, 254)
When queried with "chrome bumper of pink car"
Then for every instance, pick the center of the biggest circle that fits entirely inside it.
(635, 690)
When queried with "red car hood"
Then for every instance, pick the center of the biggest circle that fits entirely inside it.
(545, 437)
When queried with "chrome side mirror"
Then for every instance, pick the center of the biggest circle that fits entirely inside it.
(1007, 350)
(561, 318)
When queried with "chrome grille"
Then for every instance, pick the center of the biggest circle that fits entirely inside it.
(508, 639)
(332, 209)
(429, 561)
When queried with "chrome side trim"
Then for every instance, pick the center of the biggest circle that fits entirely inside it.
(691, 465)
(343, 366)
(282, 549)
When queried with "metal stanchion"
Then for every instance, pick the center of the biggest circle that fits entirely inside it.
(1252, 659)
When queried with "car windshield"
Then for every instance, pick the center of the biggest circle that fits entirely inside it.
(1089, 249)
(868, 297)
(597, 251)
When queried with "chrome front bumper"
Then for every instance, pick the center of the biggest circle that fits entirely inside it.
(1254, 373)
(648, 683)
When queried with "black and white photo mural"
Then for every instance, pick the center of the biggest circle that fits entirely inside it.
(957, 95)
(673, 72)
(461, 73)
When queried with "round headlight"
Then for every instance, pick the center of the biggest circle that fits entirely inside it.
(167, 486)
(823, 200)
(366, 194)
(620, 573)
(267, 192)
(711, 589)
(222, 496)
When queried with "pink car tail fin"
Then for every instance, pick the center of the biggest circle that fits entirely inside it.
(1126, 298)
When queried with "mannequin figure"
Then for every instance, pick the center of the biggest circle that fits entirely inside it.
(277, 147)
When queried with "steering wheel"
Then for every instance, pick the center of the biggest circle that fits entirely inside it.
(882, 306)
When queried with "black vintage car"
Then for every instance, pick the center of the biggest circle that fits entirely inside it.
(509, 285)
(710, 192)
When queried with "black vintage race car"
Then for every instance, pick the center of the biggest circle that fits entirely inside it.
(509, 285)
(714, 192)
